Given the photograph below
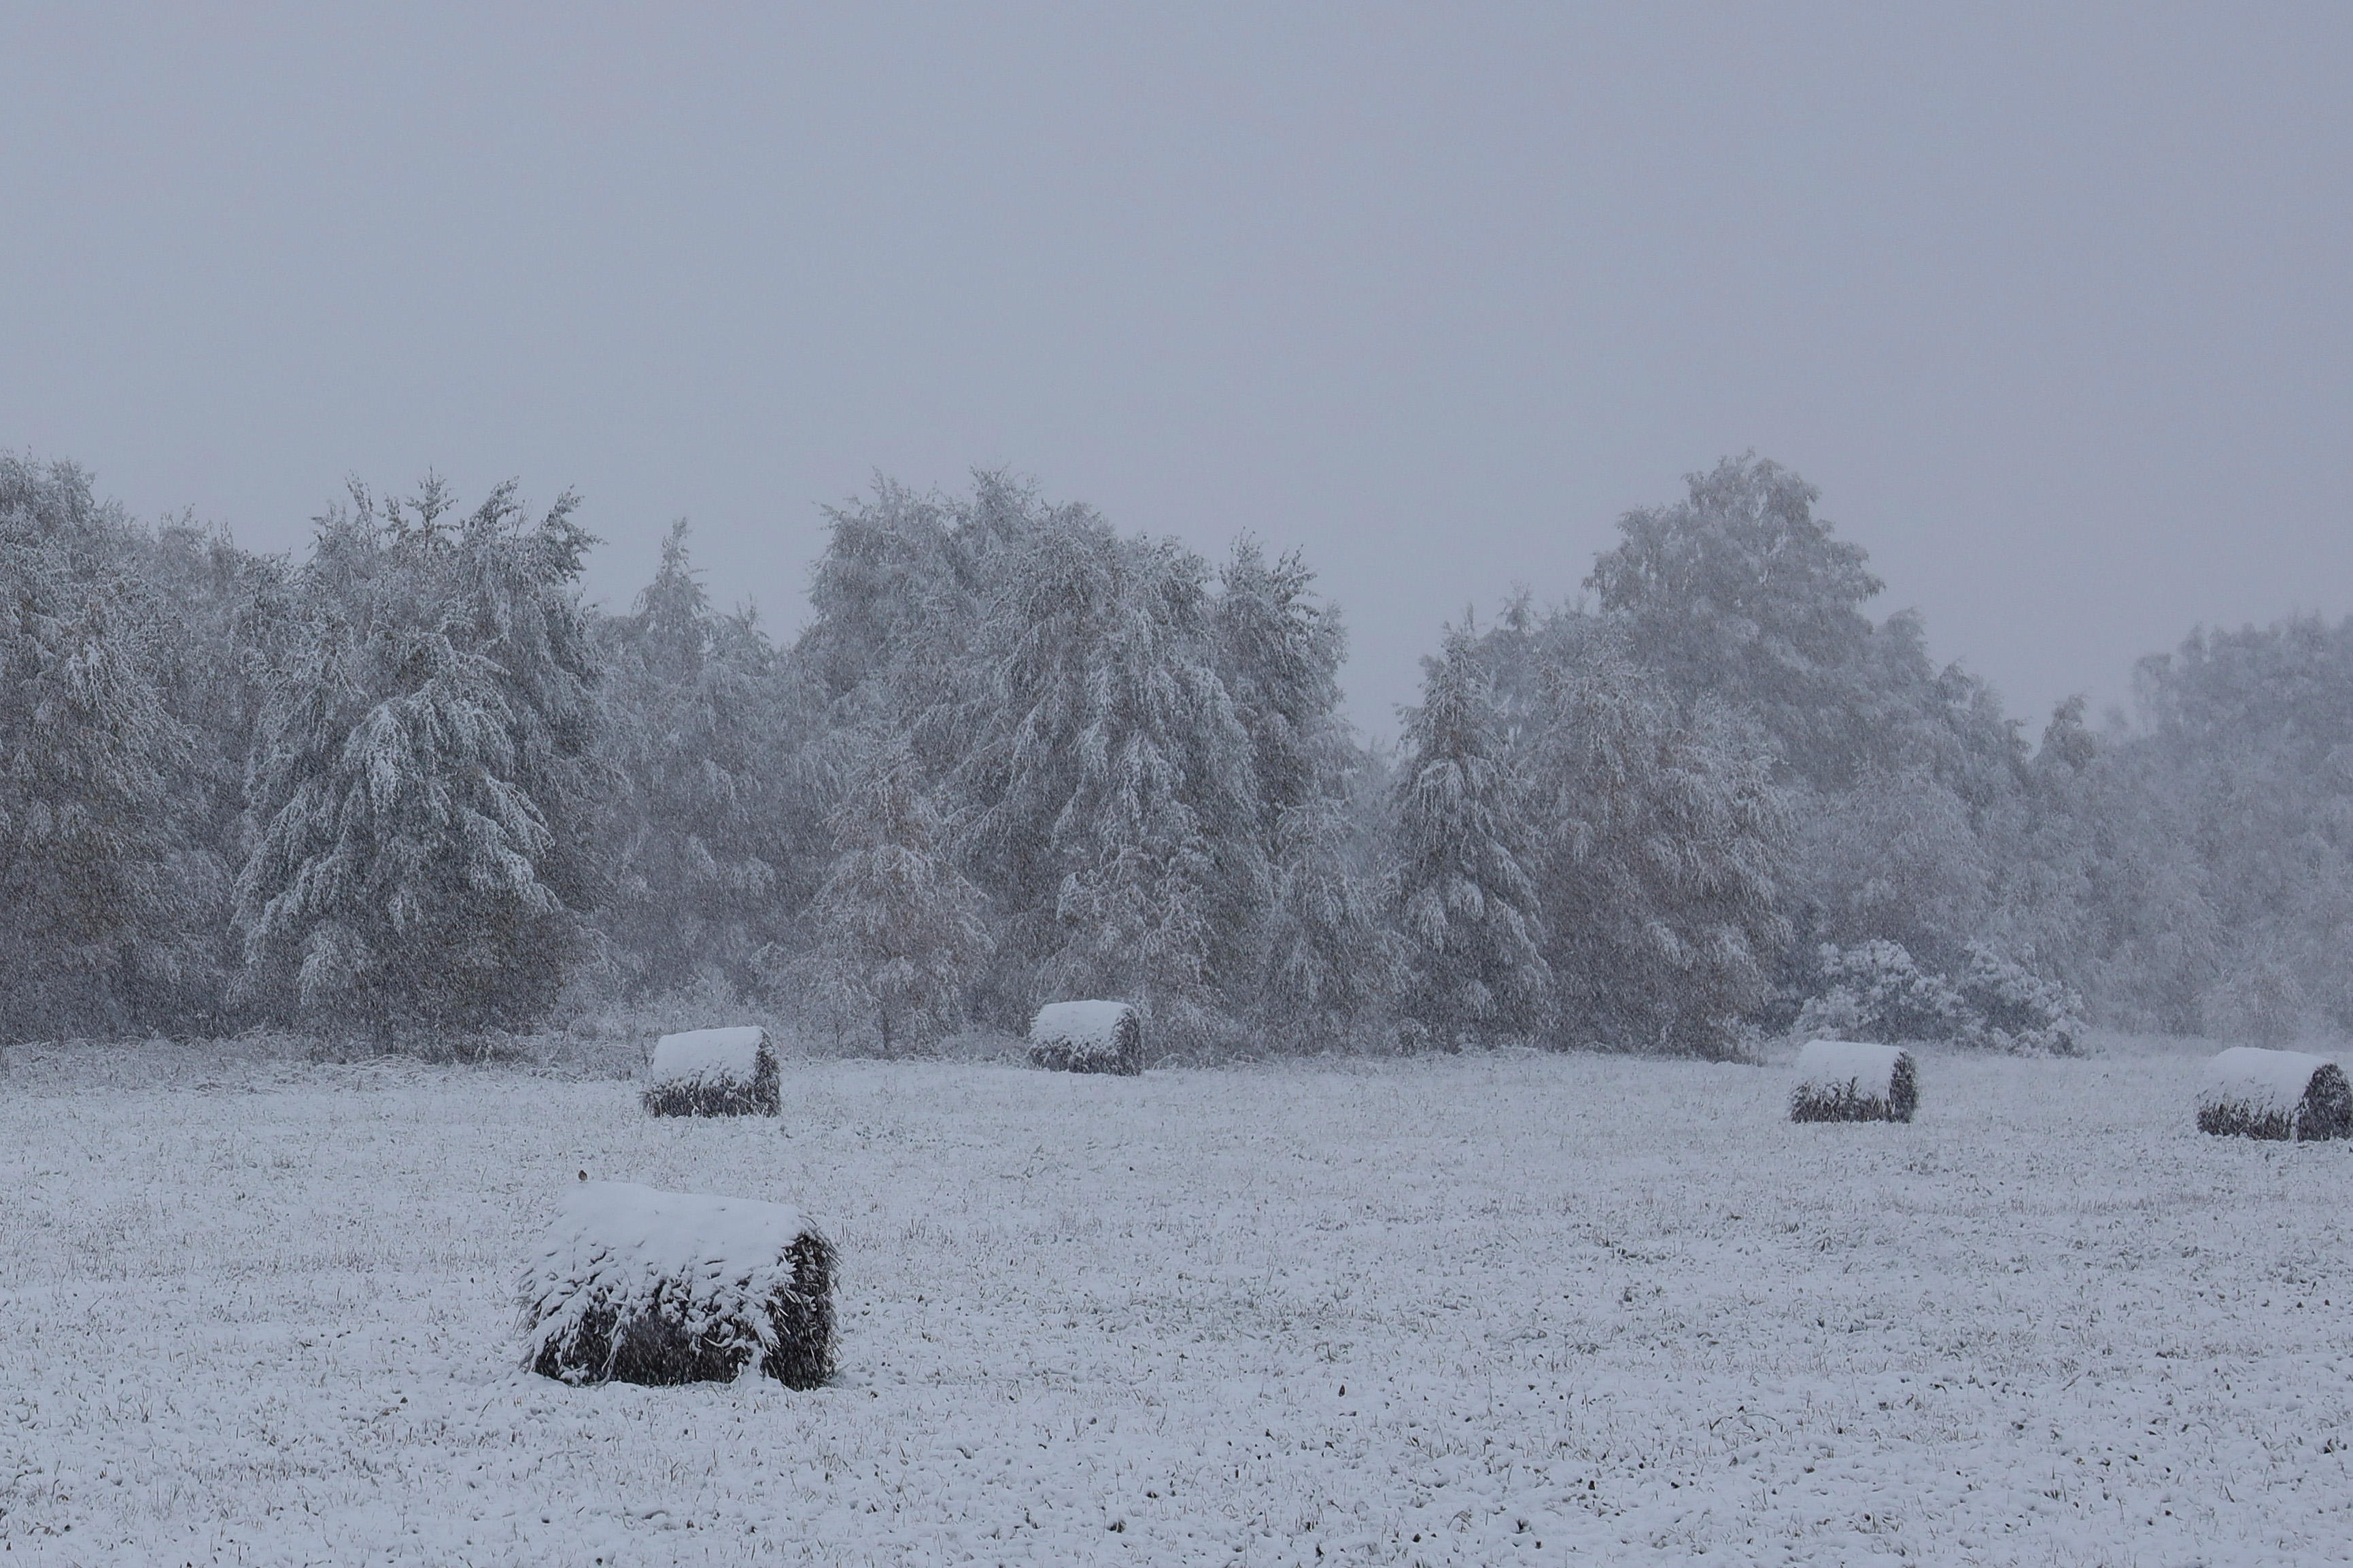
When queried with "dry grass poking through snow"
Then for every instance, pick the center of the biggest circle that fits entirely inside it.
(260, 1311)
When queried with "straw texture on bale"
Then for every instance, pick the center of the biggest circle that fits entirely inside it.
(715, 1072)
(633, 1285)
(1851, 1080)
(1087, 1037)
(2286, 1095)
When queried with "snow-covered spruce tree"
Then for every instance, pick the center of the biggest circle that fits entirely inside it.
(700, 739)
(1105, 801)
(900, 932)
(1663, 848)
(1466, 904)
(87, 750)
(423, 781)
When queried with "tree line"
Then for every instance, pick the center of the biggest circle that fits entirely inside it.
(412, 788)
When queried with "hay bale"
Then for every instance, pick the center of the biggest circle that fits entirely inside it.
(2250, 1092)
(639, 1286)
(714, 1072)
(1087, 1037)
(1849, 1080)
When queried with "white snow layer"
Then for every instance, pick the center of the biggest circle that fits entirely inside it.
(1083, 1026)
(261, 1311)
(617, 1243)
(2258, 1080)
(1847, 1067)
(716, 1057)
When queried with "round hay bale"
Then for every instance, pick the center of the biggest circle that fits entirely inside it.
(1854, 1080)
(715, 1072)
(1087, 1037)
(2250, 1092)
(634, 1285)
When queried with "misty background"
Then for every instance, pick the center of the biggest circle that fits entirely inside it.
(2050, 303)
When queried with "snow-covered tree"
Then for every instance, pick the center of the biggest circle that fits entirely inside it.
(1741, 590)
(1107, 800)
(423, 781)
(1663, 852)
(705, 831)
(87, 750)
(900, 931)
(130, 661)
(1467, 906)
(1334, 965)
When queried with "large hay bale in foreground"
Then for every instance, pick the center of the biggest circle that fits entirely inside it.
(1087, 1037)
(1851, 1080)
(714, 1072)
(2250, 1092)
(639, 1286)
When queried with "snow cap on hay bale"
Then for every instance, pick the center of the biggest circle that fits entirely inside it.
(639, 1286)
(2254, 1093)
(1847, 1080)
(714, 1072)
(1087, 1037)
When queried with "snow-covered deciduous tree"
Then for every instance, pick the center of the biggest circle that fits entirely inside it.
(1466, 904)
(900, 931)
(423, 781)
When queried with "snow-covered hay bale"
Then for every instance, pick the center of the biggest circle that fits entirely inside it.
(1087, 1037)
(714, 1072)
(1849, 1080)
(2250, 1092)
(639, 1286)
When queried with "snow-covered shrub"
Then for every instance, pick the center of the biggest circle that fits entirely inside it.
(1851, 1080)
(2289, 1095)
(1087, 1037)
(714, 1072)
(639, 1286)
(2008, 1007)
(1875, 992)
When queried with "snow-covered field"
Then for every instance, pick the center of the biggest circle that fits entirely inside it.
(1482, 1309)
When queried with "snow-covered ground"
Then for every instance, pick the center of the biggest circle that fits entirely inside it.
(262, 1311)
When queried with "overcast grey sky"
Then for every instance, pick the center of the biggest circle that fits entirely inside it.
(2052, 302)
